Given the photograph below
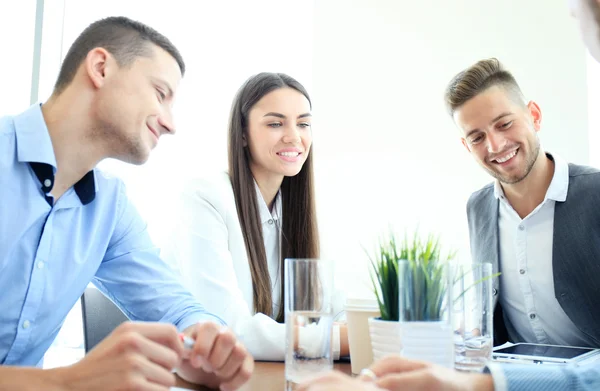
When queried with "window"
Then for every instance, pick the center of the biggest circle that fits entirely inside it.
(15, 78)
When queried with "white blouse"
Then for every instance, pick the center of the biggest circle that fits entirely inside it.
(208, 250)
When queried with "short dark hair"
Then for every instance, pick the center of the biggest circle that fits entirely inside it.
(124, 38)
(474, 80)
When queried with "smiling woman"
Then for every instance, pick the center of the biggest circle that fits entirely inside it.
(278, 141)
(235, 230)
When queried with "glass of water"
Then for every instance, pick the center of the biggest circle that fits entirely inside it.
(473, 332)
(308, 318)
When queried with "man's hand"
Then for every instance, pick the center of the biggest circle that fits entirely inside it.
(217, 360)
(135, 356)
(337, 381)
(395, 373)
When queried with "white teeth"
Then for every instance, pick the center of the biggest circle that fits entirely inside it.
(507, 157)
(289, 154)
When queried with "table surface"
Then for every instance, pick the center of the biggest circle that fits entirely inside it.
(267, 376)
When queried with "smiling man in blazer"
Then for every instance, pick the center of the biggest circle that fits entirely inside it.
(538, 222)
(571, 249)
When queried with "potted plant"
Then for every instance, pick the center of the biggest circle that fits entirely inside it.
(412, 284)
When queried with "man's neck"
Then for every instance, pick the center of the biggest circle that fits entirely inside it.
(527, 194)
(70, 129)
(268, 184)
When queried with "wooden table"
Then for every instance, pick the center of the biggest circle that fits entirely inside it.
(267, 376)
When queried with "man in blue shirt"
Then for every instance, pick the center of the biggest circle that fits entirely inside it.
(395, 373)
(63, 223)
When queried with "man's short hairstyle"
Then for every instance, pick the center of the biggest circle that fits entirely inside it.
(478, 78)
(124, 38)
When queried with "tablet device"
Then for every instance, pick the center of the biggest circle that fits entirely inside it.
(543, 354)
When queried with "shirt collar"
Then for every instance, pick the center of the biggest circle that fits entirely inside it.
(263, 209)
(559, 186)
(35, 146)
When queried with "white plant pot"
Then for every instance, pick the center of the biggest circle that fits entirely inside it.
(428, 341)
(385, 337)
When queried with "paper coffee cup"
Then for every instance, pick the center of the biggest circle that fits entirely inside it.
(358, 312)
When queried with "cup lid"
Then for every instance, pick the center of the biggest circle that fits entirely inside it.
(360, 304)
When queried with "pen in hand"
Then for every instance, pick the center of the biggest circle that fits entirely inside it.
(188, 343)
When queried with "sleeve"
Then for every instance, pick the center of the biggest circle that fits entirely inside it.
(199, 250)
(134, 276)
(513, 377)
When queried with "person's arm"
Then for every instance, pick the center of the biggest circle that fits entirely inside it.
(395, 373)
(512, 377)
(147, 289)
(29, 379)
(134, 276)
(200, 249)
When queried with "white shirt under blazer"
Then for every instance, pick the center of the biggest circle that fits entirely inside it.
(208, 250)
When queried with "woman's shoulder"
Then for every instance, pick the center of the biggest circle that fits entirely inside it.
(214, 189)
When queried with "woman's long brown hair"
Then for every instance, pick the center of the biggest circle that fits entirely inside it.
(299, 231)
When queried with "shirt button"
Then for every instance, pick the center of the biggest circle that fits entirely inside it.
(26, 324)
(40, 265)
(521, 227)
(532, 316)
(495, 291)
(47, 183)
(522, 271)
(271, 221)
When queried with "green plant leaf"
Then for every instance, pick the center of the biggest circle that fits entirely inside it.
(423, 298)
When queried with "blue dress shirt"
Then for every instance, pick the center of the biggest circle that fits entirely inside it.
(49, 254)
(546, 377)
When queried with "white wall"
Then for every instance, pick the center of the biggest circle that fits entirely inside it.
(16, 45)
(386, 151)
(223, 43)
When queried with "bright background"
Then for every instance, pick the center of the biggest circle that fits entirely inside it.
(386, 153)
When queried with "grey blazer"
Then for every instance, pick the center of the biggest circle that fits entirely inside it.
(575, 253)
